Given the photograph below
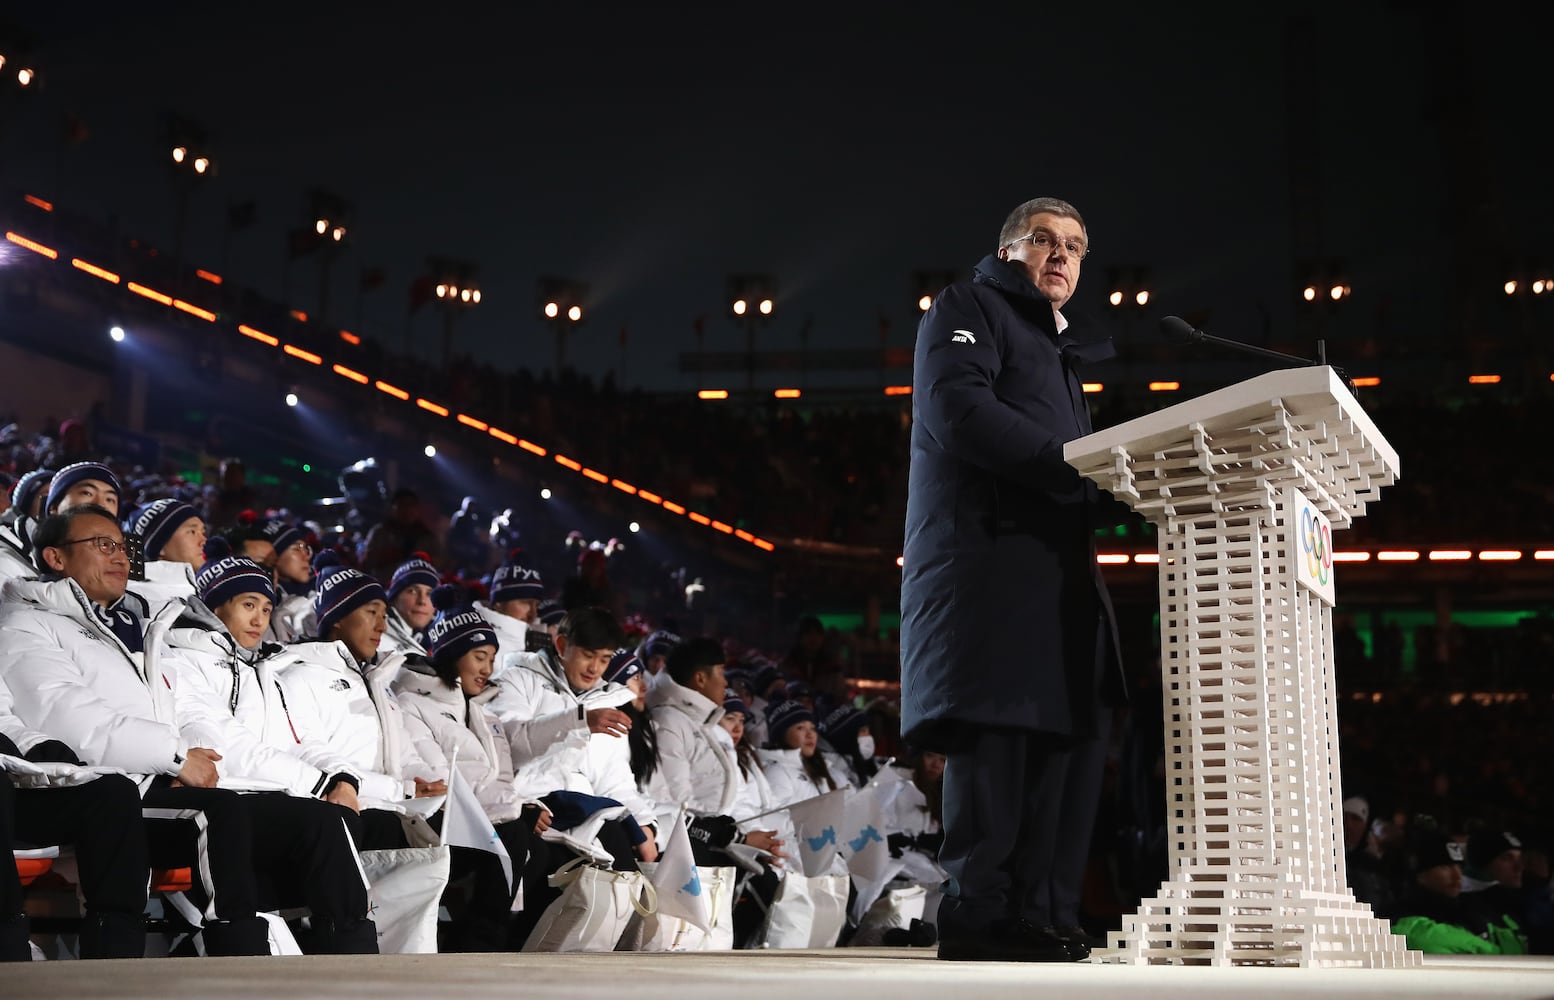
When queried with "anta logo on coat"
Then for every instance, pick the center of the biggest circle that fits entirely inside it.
(963, 337)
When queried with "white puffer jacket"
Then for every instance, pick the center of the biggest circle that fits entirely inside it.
(693, 767)
(165, 582)
(547, 729)
(790, 782)
(293, 620)
(229, 699)
(399, 637)
(335, 704)
(16, 551)
(73, 680)
(755, 797)
(449, 725)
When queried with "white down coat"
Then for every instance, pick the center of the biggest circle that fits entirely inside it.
(16, 551)
(547, 728)
(230, 700)
(165, 582)
(448, 724)
(754, 798)
(74, 681)
(398, 636)
(335, 702)
(790, 782)
(693, 767)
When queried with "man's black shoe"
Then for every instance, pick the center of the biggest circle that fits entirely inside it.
(1079, 942)
(1010, 941)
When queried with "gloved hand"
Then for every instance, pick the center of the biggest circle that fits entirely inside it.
(714, 831)
(53, 752)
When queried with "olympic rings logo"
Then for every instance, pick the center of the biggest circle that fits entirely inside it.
(1316, 542)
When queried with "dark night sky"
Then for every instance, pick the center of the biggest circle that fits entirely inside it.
(652, 150)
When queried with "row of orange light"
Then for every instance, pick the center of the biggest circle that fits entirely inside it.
(403, 395)
(1363, 382)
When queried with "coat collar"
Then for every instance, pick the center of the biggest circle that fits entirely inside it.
(1010, 278)
(693, 703)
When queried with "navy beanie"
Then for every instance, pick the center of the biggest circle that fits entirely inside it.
(456, 631)
(514, 581)
(842, 724)
(219, 581)
(766, 675)
(156, 522)
(282, 534)
(411, 572)
(551, 612)
(624, 665)
(660, 643)
(341, 591)
(782, 717)
(27, 488)
(733, 703)
(67, 477)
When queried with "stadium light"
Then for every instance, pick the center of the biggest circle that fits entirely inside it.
(291, 399)
(634, 527)
(1142, 298)
(740, 307)
(545, 493)
(766, 307)
(117, 333)
(575, 313)
(430, 451)
(1115, 298)
(924, 302)
(1510, 287)
(552, 310)
(25, 77)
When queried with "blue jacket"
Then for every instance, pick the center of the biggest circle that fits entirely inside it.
(1004, 617)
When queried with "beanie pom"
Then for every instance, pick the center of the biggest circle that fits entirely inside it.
(216, 548)
(325, 559)
(447, 597)
(247, 517)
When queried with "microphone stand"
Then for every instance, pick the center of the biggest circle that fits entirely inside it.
(1196, 336)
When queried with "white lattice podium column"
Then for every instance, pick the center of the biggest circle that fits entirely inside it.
(1257, 866)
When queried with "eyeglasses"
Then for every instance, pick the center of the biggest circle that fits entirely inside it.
(107, 546)
(1044, 242)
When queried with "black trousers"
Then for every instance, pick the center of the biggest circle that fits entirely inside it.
(100, 820)
(1019, 808)
(485, 924)
(259, 851)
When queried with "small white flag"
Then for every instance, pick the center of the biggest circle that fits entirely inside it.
(818, 822)
(680, 892)
(465, 824)
(868, 855)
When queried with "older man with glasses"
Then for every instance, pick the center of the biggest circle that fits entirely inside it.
(86, 671)
(1008, 648)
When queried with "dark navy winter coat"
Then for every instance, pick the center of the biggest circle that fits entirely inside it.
(1004, 618)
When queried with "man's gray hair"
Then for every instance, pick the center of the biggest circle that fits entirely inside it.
(1019, 222)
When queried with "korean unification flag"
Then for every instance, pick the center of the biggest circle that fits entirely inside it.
(465, 824)
(818, 823)
(863, 843)
(680, 892)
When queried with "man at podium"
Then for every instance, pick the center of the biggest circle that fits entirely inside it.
(1008, 645)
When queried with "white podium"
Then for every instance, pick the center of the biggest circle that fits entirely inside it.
(1246, 485)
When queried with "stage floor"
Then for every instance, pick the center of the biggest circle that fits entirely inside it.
(843, 974)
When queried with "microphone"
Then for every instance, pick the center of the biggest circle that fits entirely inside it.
(1177, 328)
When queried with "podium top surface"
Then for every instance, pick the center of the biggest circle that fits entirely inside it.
(1303, 391)
(1237, 448)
